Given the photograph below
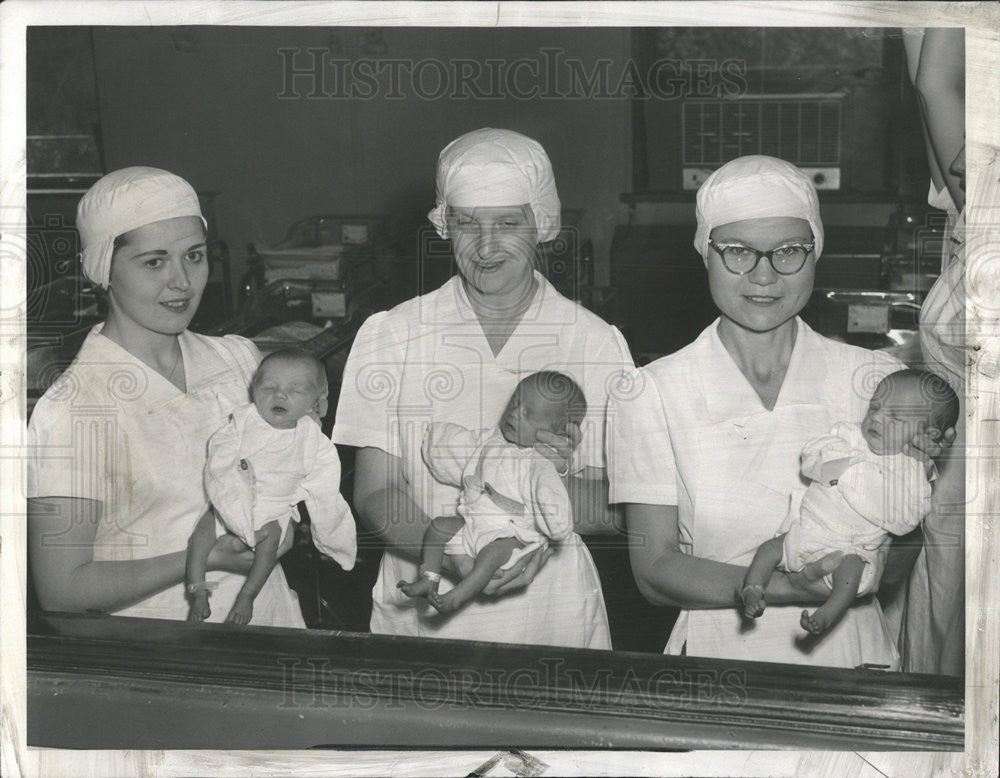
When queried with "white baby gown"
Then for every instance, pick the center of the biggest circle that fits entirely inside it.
(507, 491)
(257, 473)
(874, 497)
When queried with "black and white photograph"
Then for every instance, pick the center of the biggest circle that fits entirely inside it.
(500, 388)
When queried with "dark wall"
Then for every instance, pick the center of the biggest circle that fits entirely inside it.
(204, 103)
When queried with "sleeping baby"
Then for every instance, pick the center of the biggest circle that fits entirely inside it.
(269, 456)
(512, 500)
(863, 489)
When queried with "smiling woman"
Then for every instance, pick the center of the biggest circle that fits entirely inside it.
(762, 296)
(154, 289)
(456, 355)
(706, 452)
(117, 444)
(493, 249)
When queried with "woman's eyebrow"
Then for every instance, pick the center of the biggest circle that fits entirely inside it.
(163, 252)
(786, 239)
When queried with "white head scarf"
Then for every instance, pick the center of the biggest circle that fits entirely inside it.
(490, 168)
(125, 200)
(756, 187)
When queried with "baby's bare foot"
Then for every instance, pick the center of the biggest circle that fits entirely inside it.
(199, 610)
(445, 603)
(815, 624)
(241, 613)
(754, 601)
(422, 587)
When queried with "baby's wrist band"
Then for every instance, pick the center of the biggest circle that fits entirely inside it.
(753, 588)
(431, 576)
(203, 586)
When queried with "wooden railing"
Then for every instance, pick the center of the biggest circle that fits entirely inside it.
(111, 682)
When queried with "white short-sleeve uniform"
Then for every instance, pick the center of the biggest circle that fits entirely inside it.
(114, 430)
(693, 433)
(874, 496)
(507, 491)
(933, 636)
(427, 360)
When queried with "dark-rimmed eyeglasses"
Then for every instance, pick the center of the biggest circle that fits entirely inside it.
(787, 259)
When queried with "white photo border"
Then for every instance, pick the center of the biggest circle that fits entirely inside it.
(982, 24)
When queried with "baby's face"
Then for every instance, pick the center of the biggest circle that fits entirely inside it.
(526, 413)
(896, 413)
(284, 392)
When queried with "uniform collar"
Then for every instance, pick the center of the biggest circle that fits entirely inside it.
(131, 379)
(454, 313)
(729, 395)
(455, 305)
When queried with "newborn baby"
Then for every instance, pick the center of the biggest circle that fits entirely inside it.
(512, 499)
(863, 488)
(271, 455)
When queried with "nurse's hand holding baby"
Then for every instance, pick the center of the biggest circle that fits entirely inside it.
(705, 453)
(455, 355)
(118, 442)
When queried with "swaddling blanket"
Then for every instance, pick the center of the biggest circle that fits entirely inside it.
(507, 491)
(875, 496)
(256, 474)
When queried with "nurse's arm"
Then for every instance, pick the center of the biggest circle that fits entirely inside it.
(940, 87)
(61, 534)
(588, 489)
(667, 576)
(383, 503)
(912, 43)
(588, 494)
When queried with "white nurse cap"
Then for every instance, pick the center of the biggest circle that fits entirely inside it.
(124, 200)
(490, 168)
(755, 187)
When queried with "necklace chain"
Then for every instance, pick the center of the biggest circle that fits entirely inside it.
(177, 361)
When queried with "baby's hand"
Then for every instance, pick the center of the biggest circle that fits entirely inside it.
(241, 612)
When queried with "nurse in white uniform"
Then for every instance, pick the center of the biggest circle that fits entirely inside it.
(705, 451)
(933, 612)
(118, 442)
(455, 355)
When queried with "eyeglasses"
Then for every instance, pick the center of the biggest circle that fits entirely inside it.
(786, 260)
